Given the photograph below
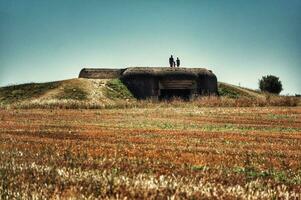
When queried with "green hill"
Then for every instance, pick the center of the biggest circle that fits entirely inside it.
(92, 91)
(96, 93)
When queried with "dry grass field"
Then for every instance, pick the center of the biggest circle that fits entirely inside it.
(158, 152)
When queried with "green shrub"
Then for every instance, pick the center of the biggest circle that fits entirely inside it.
(115, 89)
(270, 84)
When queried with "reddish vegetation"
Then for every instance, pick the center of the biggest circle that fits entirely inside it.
(151, 153)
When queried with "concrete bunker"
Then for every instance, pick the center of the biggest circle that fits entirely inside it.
(160, 82)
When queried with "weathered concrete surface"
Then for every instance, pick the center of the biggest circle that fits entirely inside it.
(105, 73)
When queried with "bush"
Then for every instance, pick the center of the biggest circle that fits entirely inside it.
(270, 84)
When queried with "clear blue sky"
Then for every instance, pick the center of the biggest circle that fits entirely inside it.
(240, 40)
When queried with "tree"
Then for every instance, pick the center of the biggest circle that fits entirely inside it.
(270, 84)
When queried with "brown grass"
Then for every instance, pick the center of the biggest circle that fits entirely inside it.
(158, 151)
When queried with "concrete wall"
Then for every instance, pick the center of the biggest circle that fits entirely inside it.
(148, 86)
(207, 85)
(100, 73)
(142, 87)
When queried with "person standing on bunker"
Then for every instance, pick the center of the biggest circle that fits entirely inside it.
(171, 61)
(178, 62)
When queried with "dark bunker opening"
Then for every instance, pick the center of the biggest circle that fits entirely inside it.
(169, 94)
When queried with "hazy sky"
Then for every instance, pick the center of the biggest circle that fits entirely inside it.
(240, 40)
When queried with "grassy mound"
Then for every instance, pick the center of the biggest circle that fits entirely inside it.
(233, 91)
(73, 93)
(16, 93)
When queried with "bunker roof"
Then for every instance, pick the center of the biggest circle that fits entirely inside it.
(163, 71)
(153, 71)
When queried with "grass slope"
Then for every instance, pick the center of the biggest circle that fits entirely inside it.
(17, 93)
(101, 91)
(234, 91)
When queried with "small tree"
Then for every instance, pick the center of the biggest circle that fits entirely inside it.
(270, 84)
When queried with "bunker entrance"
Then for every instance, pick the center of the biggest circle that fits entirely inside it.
(176, 88)
(168, 94)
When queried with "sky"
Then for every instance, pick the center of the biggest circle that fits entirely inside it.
(239, 40)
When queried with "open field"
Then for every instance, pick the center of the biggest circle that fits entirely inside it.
(152, 152)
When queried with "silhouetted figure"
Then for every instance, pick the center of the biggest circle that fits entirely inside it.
(178, 62)
(174, 64)
(171, 61)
